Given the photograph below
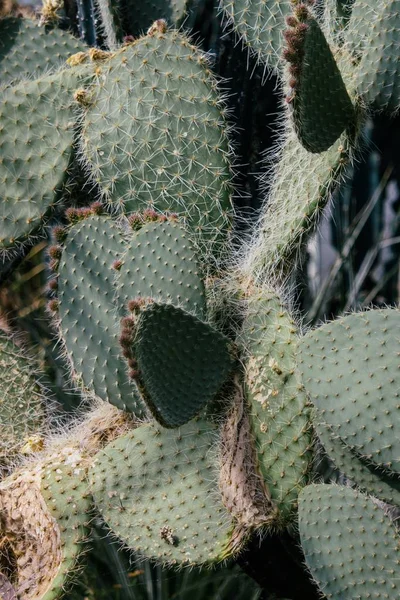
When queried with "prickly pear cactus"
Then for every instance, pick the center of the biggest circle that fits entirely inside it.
(203, 428)
(22, 404)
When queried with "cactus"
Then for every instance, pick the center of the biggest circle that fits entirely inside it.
(22, 406)
(364, 564)
(204, 426)
(180, 361)
(27, 50)
(156, 490)
(164, 132)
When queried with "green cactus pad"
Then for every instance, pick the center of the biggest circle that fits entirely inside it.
(89, 323)
(29, 50)
(155, 136)
(279, 412)
(303, 183)
(322, 108)
(373, 34)
(156, 489)
(45, 514)
(138, 17)
(37, 124)
(350, 544)
(159, 263)
(21, 403)
(260, 24)
(351, 369)
(182, 362)
(367, 477)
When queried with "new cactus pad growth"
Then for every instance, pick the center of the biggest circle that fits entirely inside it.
(209, 408)
(181, 361)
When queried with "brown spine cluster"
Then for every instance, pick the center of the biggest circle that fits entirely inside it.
(138, 219)
(128, 332)
(294, 51)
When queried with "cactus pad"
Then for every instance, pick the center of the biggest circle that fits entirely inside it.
(159, 139)
(368, 477)
(156, 489)
(351, 369)
(322, 108)
(89, 323)
(182, 362)
(36, 139)
(27, 50)
(278, 406)
(44, 518)
(21, 403)
(260, 23)
(296, 204)
(159, 263)
(373, 33)
(350, 544)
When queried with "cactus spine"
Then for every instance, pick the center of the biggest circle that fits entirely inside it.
(197, 437)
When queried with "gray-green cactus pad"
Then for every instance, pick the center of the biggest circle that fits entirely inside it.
(373, 34)
(160, 263)
(28, 50)
(21, 403)
(156, 489)
(65, 490)
(89, 323)
(368, 477)
(351, 368)
(155, 135)
(296, 203)
(37, 124)
(322, 108)
(350, 544)
(182, 362)
(260, 23)
(278, 406)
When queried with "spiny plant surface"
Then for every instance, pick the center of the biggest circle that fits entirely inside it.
(156, 490)
(29, 51)
(129, 288)
(159, 140)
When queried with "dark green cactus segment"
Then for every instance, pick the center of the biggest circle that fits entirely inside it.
(351, 369)
(159, 139)
(22, 410)
(89, 324)
(322, 108)
(373, 32)
(27, 49)
(350, 544)
(260, 24)
(369, 478)
(182, 362)
(279, 411)
(37, 124)
(138, 17)
(156, 489)
(160, 263)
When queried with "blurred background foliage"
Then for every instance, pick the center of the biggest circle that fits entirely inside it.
(352, 262)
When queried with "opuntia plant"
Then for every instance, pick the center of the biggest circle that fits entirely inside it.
(208, 403)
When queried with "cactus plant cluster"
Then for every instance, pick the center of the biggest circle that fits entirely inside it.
(208, 401)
